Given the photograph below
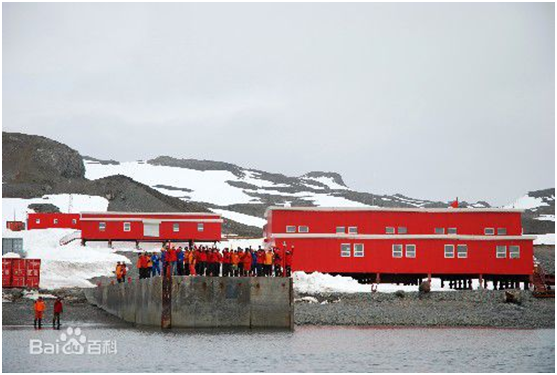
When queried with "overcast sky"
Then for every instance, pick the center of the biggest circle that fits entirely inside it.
(429, 100)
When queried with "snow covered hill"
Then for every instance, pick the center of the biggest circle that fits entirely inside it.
(242, 194)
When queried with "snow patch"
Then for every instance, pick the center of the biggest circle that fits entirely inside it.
(527, 203)
(319, 283)
(67, 266)
(545, 239)
(328, 181)
(206, 186)
(241, 218)
(11, 255)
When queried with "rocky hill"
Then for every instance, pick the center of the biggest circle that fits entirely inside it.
(240, 194)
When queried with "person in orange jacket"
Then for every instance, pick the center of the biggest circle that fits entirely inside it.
(268, 263)
(118, 272)
(39, 312)
(246, 260)
(234, 260)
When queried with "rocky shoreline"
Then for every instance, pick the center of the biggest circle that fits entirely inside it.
(471, 308)
(467, 308)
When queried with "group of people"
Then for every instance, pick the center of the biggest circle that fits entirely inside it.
(210, 261)
(40, 307)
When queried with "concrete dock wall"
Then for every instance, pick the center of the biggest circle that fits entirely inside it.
(202, 302)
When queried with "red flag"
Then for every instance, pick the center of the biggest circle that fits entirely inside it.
(454, 204)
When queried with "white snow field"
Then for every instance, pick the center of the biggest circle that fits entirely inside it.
(527, 202)
(544, 239)
(318, 283)
(241, 218)
(209, 186)
(17, 207)
(66, 266)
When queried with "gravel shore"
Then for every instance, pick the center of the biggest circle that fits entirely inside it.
(472, 308)
(478, 308)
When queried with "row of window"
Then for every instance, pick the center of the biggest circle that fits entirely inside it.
(409, 251)
(396, 230)
(55, 221)
(301, 229)
(128, 227)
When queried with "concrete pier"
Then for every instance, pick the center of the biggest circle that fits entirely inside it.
(201, 302)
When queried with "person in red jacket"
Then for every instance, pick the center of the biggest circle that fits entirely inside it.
(57, 311)
(225, 263)
(202, 261)
(172, 259)
(246, 261)
(212, 259)
(260, 262)
(219, 262)
(288, 261)
(277, 262)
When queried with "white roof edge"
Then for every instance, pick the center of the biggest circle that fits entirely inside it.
(403, 209)
(400, 236)
(108, 213)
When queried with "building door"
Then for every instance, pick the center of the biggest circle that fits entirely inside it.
(151, 228)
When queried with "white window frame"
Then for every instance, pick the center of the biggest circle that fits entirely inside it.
(462, 254)
(303, 229)
(500, 254)
(452, 231)
(102, 226)
(359, 253)
(127, 226)
(74, 221)
(501, 231)
(352, 230)
(403, 231)
(406, 251)
(176, 227)
(398, 249)
(55, 221)
(451, 253)
(37, 221)
(514, 254)
(200, 227)
(345, 250)
(389, 230)
(290, 229)
(489, 231)
(442, 230)
(340, 230)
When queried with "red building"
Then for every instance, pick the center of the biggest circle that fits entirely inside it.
(405, 244)
(44, 220)
(15, 225)
(128, 226)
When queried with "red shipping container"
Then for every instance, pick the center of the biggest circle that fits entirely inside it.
(6, 273)
(18, 273)
(16, 226)
(33, 273)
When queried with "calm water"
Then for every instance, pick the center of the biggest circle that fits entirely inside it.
(317, 349)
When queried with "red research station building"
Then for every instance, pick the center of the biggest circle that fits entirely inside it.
(405, 244)
(150, 227)
(44, 220)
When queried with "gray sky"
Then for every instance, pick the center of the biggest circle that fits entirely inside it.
(429, 100)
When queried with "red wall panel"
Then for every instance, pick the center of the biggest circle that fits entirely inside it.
(52, 220)
(375, 221)
(323, 255)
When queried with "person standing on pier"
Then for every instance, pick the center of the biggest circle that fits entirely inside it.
(39, 312)
(246, 260)
(58, 309)
(180, 261)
